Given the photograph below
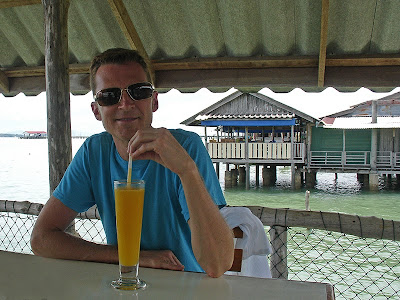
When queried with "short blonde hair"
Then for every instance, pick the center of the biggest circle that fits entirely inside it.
(115, 56)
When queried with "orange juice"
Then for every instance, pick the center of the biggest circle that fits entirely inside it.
(129, 212)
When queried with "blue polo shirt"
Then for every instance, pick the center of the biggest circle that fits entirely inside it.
(89, 181)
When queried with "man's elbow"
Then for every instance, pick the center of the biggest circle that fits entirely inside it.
(219, 267)
(218, 271)
(37, 243)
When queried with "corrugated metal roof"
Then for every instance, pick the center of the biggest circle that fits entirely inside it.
(246, 106)
(248, 117)
(215, 43)
(386, 106)
(364, 123)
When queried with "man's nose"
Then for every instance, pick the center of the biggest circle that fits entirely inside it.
(126, 100)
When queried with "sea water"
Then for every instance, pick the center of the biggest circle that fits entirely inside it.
(24, 176)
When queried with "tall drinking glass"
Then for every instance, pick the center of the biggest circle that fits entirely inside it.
(129, 198)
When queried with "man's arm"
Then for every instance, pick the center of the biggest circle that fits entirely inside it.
(212, 239)
(49, 239)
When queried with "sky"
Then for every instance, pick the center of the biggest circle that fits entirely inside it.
(21, 113)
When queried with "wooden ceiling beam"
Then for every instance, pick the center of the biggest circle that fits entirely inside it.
(363, 61)
(15, 3)
(229, 63)
(323, 42)
(376, 78)
(121, 14)
(4, 82)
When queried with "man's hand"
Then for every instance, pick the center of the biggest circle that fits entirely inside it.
(160, 145)
(160, 259)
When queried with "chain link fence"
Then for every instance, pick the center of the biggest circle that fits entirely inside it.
(358, 268)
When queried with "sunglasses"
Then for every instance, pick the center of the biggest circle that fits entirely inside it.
(111, 96)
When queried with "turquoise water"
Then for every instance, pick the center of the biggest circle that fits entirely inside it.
(343, 194)
(24, 176)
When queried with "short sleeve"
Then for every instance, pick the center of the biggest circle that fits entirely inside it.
(196, 149)
(74, 189)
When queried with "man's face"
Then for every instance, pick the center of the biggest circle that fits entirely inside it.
(123, 119)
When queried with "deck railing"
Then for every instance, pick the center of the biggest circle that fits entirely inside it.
(265, 151)
(358, 255)
(353, 159)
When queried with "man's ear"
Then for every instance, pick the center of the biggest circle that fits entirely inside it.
(96, 111)
(155, 101)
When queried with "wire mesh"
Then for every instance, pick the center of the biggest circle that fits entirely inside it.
(358, 268)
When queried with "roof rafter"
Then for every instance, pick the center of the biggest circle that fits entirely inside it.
(323, 42)
(4, 82)
(121, 14)
(14, 3)
(231, 63)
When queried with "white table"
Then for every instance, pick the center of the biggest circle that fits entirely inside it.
(25, 276)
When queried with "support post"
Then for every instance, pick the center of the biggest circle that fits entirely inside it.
(205, 137)
(293, 175)
(247, 176)
(257, 175)
(57, 89)
(278, 261)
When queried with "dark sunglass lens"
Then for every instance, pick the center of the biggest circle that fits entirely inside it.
(140, 92)
(108, 96)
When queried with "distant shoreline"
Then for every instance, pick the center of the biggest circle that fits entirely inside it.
(21, 135)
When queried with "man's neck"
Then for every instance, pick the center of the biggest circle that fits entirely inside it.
(121, 148)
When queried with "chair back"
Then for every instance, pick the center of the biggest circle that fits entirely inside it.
(238, 254)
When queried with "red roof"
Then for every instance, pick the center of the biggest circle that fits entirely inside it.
(33, 132)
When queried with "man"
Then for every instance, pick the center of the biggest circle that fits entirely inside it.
(182, 227)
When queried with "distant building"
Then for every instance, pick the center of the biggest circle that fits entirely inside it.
(253, 129)
(34, 135)
(364, 139)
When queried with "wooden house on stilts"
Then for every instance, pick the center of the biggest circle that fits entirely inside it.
(364, 139)
(255, 130)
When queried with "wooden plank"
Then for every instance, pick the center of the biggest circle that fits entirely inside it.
(223, 150)
(237, 261)
(238, 150)
(219, 150)
(380, 79)
(242, 150)
(229, 150)
(279, 150)
(260, 150)
(229, 63)
(235, 63)
(57, 87)
(15, 3)
(323, 42)
(129, 30)
(251, 150)
(367, 227)
(270, 150)
(278, 259)
(4, 82)
(363, 61)
(210, 149)
(288, 150)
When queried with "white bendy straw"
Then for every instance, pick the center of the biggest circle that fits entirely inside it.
(129, 178)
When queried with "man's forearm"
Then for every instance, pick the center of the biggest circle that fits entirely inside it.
(212, 239)
(59, 244)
